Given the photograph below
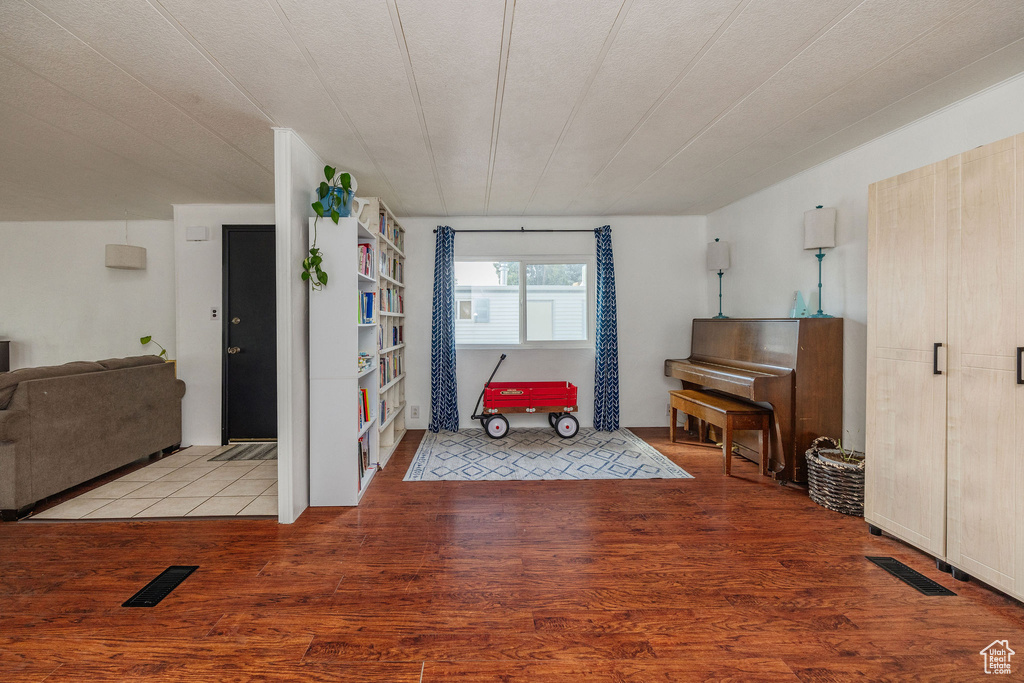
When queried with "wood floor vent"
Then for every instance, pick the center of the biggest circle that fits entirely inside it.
(158, 589)
(910, 576)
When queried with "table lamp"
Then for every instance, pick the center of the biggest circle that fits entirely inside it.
(820, 233)
(718, 259)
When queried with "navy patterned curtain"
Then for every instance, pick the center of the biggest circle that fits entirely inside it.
(606, 367)
(444, 404)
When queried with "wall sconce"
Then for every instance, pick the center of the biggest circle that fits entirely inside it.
(820, 233)
(125, 256)
(718, 259)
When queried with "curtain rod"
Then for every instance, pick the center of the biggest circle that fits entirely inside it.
(527, 230)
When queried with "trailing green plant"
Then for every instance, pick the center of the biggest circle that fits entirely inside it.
(149, 338)
(848, 456)
(329, 204)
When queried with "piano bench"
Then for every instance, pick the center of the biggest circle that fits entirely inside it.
(726, 414)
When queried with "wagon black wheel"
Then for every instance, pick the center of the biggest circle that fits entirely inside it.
(553, 418)
(483, 422)
(567, 426)
(496, 426)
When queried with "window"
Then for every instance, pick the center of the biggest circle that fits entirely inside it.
(522, 302)
(474, 310)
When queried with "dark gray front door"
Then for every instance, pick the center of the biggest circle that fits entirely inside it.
(249, 318)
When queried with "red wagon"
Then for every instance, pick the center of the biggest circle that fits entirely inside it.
(557, 399)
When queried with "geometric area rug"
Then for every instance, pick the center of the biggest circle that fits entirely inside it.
(538, 454)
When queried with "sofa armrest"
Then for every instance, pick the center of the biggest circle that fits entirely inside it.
(13, 424)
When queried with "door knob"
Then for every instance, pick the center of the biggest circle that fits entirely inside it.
(233, 349)
(236, 320)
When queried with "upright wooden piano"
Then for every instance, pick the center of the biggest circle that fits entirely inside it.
(792, 365)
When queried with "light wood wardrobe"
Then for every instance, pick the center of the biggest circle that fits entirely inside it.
(945, 392)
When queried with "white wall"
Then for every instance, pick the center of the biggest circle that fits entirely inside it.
(60, 303)
(297, 172)
(199, 288)
(660, 288)
(766, 228)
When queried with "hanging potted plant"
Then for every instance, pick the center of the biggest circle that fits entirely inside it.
(835, 477)
(334, 199)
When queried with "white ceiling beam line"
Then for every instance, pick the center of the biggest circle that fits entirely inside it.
(694, 61)
(150, 88)
(725, 112)
(176, 25)
(395, 197)
(149, 171)
(499, 94)
(584, 93)
(29, 192)
(153, 168)
(877, 65)
(878, 112)
(403, 47)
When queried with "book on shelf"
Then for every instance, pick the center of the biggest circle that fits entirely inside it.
(392, 267)
(391, 231)
(366, 305)
(366, 259)
(364, 407)
(364, 455)
(361, 447)
(396, 335)
(390, 367)
(391, 301)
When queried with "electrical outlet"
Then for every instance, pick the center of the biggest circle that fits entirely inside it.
(215, 313)
(414, 412)
(668, 409)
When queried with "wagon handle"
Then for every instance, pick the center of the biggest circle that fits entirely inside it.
(476, 411)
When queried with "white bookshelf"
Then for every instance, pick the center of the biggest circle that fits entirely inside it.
(390, 281)
(336, 337)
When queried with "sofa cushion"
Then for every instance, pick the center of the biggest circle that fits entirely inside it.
(130, 362)
(9, 381)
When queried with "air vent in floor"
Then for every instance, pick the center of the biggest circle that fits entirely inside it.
(911, 576)
(157, 589)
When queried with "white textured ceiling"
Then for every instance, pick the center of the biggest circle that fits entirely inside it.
(500, 107)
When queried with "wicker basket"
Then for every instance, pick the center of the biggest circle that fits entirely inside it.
(835, 484)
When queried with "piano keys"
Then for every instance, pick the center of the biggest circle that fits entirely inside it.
(792, 365)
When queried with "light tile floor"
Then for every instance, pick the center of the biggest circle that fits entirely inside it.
(186, 484)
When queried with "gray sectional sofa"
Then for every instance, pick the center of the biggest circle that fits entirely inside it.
(63, 425)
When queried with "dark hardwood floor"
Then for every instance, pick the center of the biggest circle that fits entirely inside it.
(713, 578)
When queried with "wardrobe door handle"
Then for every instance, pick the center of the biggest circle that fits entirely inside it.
(935, 359)
(1020, 364)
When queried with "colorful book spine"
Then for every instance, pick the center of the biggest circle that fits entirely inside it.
(363, 401)
(366, 307)
(366, 259)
